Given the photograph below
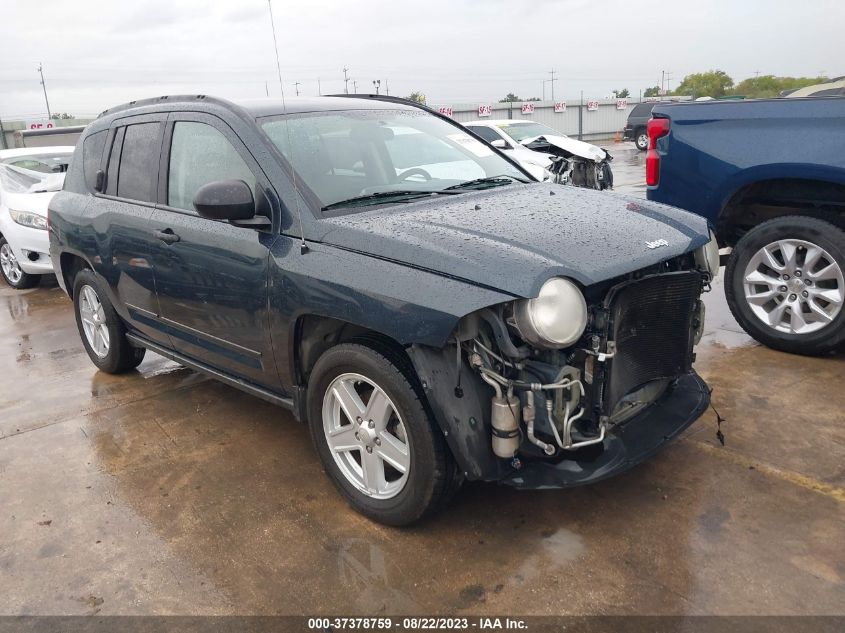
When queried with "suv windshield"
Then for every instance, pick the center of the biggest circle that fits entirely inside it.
(52, 163)
(364, 157)
(527, 129)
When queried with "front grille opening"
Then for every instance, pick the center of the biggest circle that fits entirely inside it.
(651, 323)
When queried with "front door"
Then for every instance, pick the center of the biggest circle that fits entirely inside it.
(211, 276)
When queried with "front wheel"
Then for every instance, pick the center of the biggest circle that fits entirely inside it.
(12, 271)
(103, 333)
(374, 436)
(785, 286)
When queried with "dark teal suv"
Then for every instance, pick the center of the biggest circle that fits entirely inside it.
(431, 311)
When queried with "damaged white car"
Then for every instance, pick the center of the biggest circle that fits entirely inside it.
(547, 154)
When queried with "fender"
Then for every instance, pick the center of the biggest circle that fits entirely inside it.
(723, 194)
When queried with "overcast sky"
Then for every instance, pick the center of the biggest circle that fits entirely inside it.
(97, 53)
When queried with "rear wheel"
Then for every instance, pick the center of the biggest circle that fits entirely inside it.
(785, 284)
(12, 271)
(103, 333)
(374, 436)
(641, 140)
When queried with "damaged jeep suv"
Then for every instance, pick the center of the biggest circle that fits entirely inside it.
(431, 311)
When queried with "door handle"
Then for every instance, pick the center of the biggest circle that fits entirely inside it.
(167, 236)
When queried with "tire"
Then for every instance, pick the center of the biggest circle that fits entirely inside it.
(115, 355)
(773, 313)
(393, 498)
(11, 269)
(641, 139)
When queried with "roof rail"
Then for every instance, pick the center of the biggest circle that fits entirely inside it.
(388, 98)
(138, 103)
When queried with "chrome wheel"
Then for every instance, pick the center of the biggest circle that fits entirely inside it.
(9, 264)
(366, 436)
(794, 286)
(642, 141)
(93, 321)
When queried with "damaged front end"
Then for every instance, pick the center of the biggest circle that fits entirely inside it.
(574, 162)
(572, 386)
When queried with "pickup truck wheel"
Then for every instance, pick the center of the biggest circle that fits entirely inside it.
(11, 269)
(374, 436)
(641, 140)
(103, 333)
(785, 285)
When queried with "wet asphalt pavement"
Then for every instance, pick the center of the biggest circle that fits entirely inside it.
(164, 492)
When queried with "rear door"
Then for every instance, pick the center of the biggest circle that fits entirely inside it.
(120, 219)
(211, 276)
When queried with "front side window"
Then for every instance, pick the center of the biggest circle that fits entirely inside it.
(200, 154)
(486, 133)
(366, 156)
(139, 157)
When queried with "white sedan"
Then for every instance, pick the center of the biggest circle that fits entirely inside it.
(29, 178)
(536, 147)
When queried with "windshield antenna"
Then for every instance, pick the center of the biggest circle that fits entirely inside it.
(303, 247)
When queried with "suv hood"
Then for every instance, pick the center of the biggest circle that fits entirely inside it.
(515, 237)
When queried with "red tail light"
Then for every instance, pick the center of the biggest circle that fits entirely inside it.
(657, 128)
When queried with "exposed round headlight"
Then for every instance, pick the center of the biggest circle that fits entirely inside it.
(707, 257)
(556, 318)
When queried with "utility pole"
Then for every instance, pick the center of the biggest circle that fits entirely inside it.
(319, 87)
(267, 88)
(386, 88)
(296, 86)
(552, 80)
(355, 86)
(44, 86)
(345, 80)
(662, 82)
(377, 84)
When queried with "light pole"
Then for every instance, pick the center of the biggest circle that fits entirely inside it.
(44, 86)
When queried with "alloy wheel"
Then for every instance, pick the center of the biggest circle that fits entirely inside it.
(9, 264)
(94, 321)
(366, 436)
(794, 286)
(642, 141)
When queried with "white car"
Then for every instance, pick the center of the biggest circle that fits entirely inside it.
(29, 178)
(538, 147)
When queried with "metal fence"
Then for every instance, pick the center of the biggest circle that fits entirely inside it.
(592, 119)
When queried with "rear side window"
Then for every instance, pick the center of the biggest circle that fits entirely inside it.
(486, 133)
(200, 154)
(92, 153)
(642, 109)
(133, 165)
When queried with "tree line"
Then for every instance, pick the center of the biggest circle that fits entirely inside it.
(718, 84)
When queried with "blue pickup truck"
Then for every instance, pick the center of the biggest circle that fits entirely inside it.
(769, 175)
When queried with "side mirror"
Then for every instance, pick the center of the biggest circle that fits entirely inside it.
(500, 143)
(225, 200)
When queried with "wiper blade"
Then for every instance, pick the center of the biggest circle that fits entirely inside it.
(504, 179)
(401, 196)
